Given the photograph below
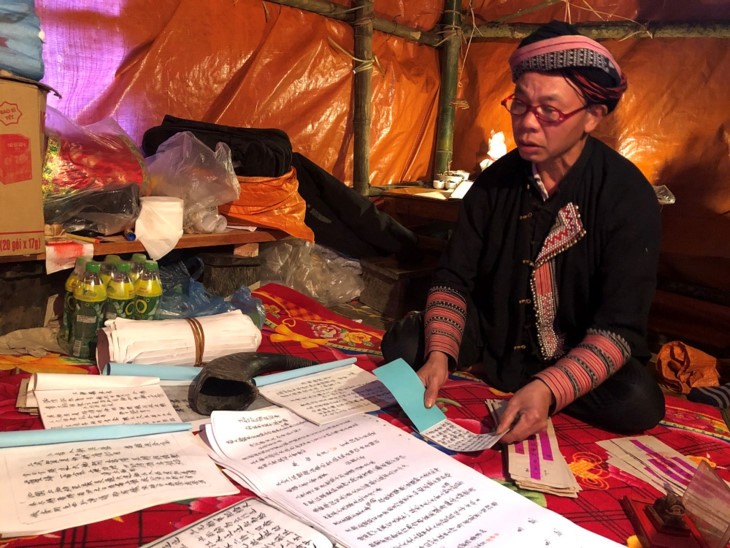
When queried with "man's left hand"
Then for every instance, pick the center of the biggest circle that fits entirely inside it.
(526, 413)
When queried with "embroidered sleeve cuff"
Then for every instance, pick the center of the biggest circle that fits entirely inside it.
(599, 355)
(444, 319)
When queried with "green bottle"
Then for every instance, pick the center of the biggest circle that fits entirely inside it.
(107, 267)
(65, 333)
(148, 291)
(120, 293)
(138, 260)
(90, 295)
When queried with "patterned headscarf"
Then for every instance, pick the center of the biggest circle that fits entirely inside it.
(558, 47)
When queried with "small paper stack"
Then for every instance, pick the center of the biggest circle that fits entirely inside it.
(536, 464)
(67, 401)
(26, 402)
(652, 461)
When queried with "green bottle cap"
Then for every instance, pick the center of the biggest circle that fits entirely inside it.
(151, 265)
(124, 266)
(93, 266)
(81, 261)
(139, 258)
(112, 259)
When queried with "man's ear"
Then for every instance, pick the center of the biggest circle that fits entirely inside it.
(596, 113)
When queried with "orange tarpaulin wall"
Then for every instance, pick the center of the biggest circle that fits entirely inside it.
(673, 122)
(257, 64)
(242, 63)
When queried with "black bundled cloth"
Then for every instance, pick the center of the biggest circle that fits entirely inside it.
(340, 218)
(108, 211)
(347, 222)
(255, 152)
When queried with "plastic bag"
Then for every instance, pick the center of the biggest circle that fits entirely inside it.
(20, 36)
(185, 297)
(312, 269)
(91, 176)
(271, 202)
(184, 167)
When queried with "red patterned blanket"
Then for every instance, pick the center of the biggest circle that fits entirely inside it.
(299, 326)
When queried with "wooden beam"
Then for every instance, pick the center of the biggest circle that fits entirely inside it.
(363, 69)
(606, 30)
(342, 13)
(450, 50)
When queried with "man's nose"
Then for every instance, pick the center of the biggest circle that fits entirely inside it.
(529, 120)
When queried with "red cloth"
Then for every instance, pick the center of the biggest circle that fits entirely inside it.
(297, 325)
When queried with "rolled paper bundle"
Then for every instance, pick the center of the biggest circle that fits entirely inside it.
(176, 342)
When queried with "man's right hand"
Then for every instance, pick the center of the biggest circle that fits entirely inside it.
(433, 375)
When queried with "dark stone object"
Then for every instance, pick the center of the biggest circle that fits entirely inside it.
(226, 383)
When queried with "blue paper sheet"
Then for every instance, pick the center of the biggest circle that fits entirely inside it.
(87, 433)
(163, 372)
(264, 380)
(409, 391)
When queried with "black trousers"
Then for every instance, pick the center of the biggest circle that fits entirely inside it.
(628, 402)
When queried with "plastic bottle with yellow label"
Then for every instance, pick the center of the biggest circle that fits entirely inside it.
(148, 292)
(138, 260)
(107, 267)
(90, 295)
(120, 293)
(65, 333)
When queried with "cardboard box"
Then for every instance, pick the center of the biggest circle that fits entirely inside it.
(22, 117)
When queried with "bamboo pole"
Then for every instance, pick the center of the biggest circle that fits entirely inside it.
(609, 30)
(527, 10)
(341, 13)
(451, 25)
(363, 69)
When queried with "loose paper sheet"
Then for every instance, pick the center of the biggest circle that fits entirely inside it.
(282, 376)
(178, 396)
(62, 255)
(651, 460)
(457, 438)
(52, 487)
(330, 395)
(247, 524)
(68, 401)
(368, 483)
(408, 390)
(21, 403)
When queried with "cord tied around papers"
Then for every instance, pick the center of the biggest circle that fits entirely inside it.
(177, 342)
(198, 338)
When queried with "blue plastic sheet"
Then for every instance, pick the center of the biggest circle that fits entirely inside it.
(20, 39)
(185, 297)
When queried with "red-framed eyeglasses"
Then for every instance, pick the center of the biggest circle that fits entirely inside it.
(544, 113)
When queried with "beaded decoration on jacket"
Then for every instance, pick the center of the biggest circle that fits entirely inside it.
(565, 232)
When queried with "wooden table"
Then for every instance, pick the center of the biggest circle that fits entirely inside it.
(119, 245)
(419, 204)
(25, 287)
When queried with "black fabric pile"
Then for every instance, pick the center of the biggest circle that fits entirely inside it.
(340, 218)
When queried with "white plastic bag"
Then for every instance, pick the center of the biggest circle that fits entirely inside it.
(184, 167)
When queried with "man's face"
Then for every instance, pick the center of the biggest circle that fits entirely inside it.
(551, 144)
